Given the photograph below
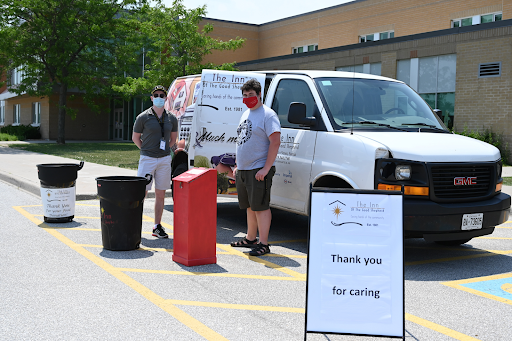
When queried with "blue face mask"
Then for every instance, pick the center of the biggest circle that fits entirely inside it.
(158, 102)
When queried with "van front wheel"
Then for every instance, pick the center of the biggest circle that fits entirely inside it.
(453, 242)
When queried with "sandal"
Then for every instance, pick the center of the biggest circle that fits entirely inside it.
(260, 250)
(244, 242)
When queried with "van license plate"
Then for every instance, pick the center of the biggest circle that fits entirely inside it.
(472, 221)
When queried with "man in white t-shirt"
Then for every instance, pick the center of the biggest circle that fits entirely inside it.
(259, 137)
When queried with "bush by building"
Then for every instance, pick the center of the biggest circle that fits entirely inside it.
(22, 132)
(493, 138)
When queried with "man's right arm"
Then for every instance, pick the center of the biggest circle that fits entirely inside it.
(136, 139)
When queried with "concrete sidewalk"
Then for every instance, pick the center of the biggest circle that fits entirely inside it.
(19, 168)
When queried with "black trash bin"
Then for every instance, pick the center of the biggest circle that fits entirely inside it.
(58, 190)
(121, 204)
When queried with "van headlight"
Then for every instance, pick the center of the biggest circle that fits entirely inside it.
(381, 153)
(403, 172)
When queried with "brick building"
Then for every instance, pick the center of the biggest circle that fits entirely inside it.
(455, 53)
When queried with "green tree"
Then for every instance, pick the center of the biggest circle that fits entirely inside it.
(175, 47)
(60, 45)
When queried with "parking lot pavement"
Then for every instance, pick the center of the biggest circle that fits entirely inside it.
(59, 283)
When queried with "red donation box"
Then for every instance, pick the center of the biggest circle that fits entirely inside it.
(195, 217)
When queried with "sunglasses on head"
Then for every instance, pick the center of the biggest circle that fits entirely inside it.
(159, 95)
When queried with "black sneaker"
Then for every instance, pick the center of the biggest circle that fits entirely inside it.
(159, 232)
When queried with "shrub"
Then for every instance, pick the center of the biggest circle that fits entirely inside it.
(496, 139)
(7, 137)
(22, 132)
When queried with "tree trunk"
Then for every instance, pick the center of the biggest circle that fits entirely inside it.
(61, 139)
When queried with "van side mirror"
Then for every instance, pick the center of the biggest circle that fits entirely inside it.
(297, 115)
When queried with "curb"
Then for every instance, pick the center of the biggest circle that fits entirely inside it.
(24, 185)
(30, 187)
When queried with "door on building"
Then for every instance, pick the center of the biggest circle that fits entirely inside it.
(118, 124)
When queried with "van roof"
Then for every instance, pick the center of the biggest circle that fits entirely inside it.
(324, 74)
(317, 74)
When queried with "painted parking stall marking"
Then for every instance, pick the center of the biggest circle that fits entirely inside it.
(170, 306)
(498, 287)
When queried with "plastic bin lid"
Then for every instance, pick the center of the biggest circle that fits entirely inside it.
(191, 174)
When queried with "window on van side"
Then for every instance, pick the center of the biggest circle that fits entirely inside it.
(288, 91)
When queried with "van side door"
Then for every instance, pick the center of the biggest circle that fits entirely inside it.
(290, 188)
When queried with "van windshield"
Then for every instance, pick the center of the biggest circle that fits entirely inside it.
(375, 104)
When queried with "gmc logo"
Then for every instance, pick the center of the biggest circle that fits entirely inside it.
(462, 181)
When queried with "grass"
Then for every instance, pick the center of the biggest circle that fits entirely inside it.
(125, 155)
(507, 181)
(7, 137)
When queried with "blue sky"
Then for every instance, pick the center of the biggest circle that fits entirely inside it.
(257, 11)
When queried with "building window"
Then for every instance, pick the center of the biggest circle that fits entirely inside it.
(16, 114)
(377, 36)
(372, 69)
(477, 19)
(36, 113)
(434, 79)
(2, 112)
(490, 17)
(305, 48)
(16, 76)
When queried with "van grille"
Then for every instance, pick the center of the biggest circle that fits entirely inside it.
(443, 178)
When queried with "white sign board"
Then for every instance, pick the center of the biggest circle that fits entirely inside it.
(355, 264)
(58, 202)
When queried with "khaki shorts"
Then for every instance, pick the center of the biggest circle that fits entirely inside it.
(251, 192)
(159, 167)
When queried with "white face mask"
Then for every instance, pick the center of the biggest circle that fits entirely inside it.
(158, 102)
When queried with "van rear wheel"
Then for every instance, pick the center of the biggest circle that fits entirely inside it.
(453, 242)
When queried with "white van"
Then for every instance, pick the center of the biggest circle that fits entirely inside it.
(359, 131)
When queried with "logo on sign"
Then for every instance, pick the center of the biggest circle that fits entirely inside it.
(337, 212)
(462, 181)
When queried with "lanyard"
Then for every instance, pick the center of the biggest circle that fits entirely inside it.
(160, 122)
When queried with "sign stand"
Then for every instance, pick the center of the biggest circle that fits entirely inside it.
(355, 278)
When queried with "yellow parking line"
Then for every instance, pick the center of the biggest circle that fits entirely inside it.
(504, 227)
(445, 248)
(84, 229)
(238, 306)
(171, 309)
(72, 228)
(415, 319)
(289, 241)
(169, 306)
(167, 226)
(214, 274)
(262, 261)
(156, 249)
(285, 256)
(438, 328)
(85, 217)
(449, 259)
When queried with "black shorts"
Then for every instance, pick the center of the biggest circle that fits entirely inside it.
(251, 192)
